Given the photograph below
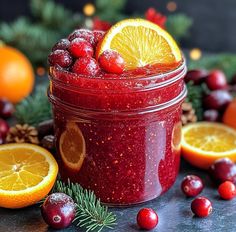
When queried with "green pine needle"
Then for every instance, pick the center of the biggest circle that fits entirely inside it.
(90, 214)
(35, 108)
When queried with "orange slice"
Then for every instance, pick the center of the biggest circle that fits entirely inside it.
(27, 174)
(205, 142)
(140, 43)
(72, 146)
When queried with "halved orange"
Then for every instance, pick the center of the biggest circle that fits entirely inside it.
(140, 43)
(27, 174)
(72, 146)
(205, 142)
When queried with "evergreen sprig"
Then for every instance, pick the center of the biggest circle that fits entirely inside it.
(90, 214)
(35, 108)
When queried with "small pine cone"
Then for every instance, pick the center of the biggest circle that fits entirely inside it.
(188, 113)
(22, 134)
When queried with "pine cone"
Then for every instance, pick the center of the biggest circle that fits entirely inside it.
(188, 113)
(22, 134)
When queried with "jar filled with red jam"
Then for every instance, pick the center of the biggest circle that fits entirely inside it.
(118, 134)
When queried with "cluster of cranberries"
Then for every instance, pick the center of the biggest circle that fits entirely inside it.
(78, 52)
(219, 96)
(222, 172)
(6, 111)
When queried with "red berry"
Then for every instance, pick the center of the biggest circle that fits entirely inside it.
(83, 34)
(197, 76)
(201, 207)
(6, 108)
(61, 58)
(111, 62)
(147, 219)
(192, 185)
(58, 210)
(216, 80)
(4, 128)
(211, 115)
(80, 48)
(98, 35)
(223, 170)
(217, 100)
(62, 44)
(227, 190)
(86, 66)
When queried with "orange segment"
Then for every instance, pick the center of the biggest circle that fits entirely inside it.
(140, 43)
(27, 174)
(72, 146)
(205, 142)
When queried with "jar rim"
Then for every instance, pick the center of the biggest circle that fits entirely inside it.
(151, 109)
(139, 83)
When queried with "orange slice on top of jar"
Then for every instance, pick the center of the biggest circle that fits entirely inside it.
(140, 43)
(72, 146)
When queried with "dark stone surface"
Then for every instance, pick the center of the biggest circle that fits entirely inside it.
(173, 210)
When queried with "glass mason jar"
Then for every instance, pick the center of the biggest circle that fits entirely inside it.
(118, 137)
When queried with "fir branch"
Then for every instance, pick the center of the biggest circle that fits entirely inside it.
(35, 108)
(178, 25)
(90, 214)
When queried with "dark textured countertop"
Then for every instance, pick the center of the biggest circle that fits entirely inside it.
(173, 210)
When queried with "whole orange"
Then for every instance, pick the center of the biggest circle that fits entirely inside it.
(16, 74)
(229, 116)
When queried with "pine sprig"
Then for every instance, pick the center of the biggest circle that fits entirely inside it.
(35, 108)
(90, 214)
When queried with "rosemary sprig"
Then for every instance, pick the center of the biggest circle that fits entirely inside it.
(35, 108)
(90, 214)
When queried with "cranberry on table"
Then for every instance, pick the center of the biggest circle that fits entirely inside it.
(86, 66)
(58, 210)
(111, 62)
(4, 128)
(217, 100)
(197, 76)
(201, 207)
(216, 80)
(6, 108)
(211, 116)
(223, 170)
(80, 48)
(62, 44)
(227, 190)
(147, 219)
(192, 185)
(61, 58)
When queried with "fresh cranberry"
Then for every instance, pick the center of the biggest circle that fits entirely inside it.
(201, 207)
(83, 34)
(147, 219)
(192, 185)
(86, 66)
(6, 108)
(227, 190)
(58, 210)
(98, 35)
(80, 48)
(218, 100)
(61, 58)
(111, 62)
(4, 128)
(62, 44)
(197, 76)
(216, 80)
(223, 170)
(211, 115)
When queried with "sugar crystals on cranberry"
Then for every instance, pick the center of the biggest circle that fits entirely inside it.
(62, 44)
(80, 48)
(61, 58)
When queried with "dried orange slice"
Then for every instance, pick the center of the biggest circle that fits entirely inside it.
(205, 142)
(140, 43)
(27, 174)
(72, 146)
